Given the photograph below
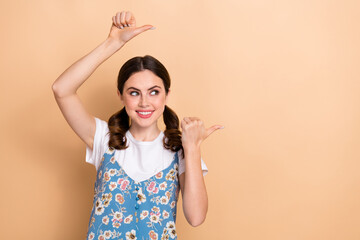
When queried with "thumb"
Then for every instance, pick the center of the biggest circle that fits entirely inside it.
(210, 130)
(143, 29)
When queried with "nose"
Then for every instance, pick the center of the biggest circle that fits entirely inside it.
(143, 101)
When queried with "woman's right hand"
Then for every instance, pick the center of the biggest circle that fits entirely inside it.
(124, 28)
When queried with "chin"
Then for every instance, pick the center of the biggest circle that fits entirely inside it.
(145, 122)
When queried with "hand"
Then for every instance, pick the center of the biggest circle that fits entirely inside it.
(124, 28)
(194, 132)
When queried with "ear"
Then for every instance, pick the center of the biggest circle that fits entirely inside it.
(167, 97)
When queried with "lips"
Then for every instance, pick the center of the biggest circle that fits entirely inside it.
(144, 113)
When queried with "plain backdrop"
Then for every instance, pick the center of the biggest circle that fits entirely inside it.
(281, 76)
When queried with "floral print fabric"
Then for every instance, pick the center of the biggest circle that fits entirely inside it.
(125, 209)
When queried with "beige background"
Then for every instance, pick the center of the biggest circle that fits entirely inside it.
(281, 76)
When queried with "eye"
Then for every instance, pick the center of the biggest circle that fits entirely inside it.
(154, 91)
(133, 93)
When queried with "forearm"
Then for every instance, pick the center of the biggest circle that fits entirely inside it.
(73, 77)
(195, 200)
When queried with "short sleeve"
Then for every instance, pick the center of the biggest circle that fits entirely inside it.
(182, 164)
(93, 156)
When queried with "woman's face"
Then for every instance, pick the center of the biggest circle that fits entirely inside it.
(144, 98)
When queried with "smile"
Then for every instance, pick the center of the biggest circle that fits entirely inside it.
(144, 114)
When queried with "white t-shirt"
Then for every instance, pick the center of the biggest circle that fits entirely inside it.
(141, 160)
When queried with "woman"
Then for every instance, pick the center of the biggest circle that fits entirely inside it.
(139, 168)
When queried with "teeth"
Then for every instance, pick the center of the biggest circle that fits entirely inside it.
(144, 113)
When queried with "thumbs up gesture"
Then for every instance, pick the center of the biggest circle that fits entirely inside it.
(194, 131)
(124, 28)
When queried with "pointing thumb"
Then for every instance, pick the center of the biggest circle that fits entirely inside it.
(143, 29)
(210, 130)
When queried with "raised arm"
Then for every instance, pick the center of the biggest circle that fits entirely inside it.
(123, 29)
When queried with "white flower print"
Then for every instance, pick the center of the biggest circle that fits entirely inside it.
(165, 214)
(105, 220)
(159, 175)
(163, 185)
(170, 225)
(98, 202)
(107, 196)
(131, 235)
(91, 236)
(112, 172)
(112, 186)
(119, 198)
(172, 233)
(144, 214)
(165, 237)
(168, 194)
(155, 209)
(107, 202)
(116, 224)
(171, 228)
(118, 215)
(173, 203)
(153, 235)
(164, 200)
(107, 176)
(99, 210)
(154, 217)
(141, 196)
(128, 219)
(101, 237)
(107, 234)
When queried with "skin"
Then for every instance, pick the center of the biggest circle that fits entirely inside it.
(123, 28)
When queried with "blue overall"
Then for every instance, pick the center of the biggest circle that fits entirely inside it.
(127, 209)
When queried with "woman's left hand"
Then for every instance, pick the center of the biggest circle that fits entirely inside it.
(194, 131)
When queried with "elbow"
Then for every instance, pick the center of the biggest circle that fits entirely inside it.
(55, 89)
(58, 91)
(197, 222)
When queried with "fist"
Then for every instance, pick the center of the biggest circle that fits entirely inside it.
(124, 28)
(194, 131)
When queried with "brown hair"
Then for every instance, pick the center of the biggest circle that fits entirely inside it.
(119, 122)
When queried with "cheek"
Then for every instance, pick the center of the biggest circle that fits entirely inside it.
(160, 101)
(130, 103)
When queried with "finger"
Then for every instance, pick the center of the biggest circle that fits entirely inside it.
(127, 18)
(211, 129)
(114, 22)
(122, 18)
(186, 120)
(184, 123)
(132, 21)
(194, 118)
(143, 29)
(118, 24)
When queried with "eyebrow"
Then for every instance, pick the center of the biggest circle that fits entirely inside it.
(139, 89)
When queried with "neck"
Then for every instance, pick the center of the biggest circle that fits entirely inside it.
(144, 134)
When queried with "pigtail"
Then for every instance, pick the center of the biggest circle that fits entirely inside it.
(172, 132)
(118, 124)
